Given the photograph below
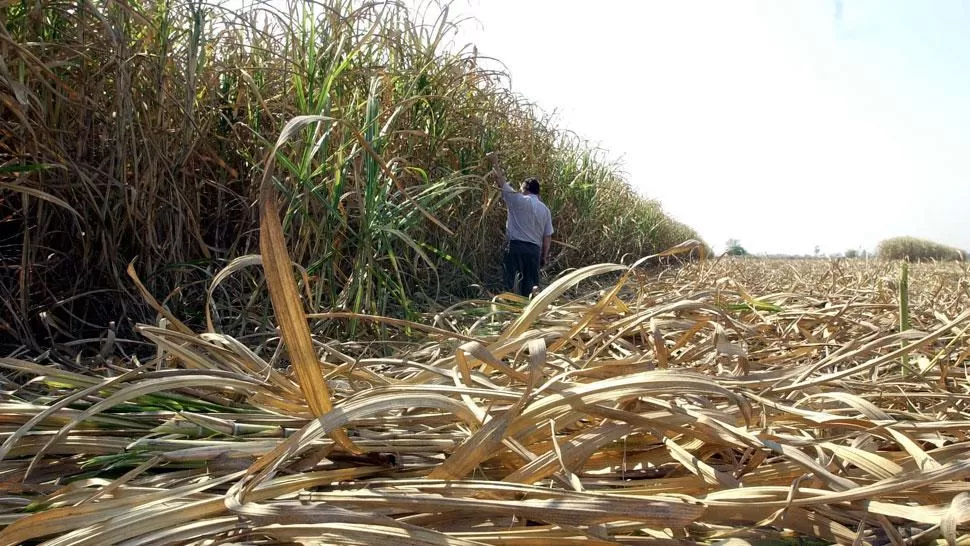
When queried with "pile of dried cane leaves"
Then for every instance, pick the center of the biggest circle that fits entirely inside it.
(752, 399)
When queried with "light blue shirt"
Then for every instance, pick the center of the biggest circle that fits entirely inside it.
(529, 218)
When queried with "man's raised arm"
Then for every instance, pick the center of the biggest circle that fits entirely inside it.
(500, 181)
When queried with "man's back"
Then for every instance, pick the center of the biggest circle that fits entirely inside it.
(528, 231)
(529, 219)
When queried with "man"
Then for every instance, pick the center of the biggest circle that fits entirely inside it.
(528, 230)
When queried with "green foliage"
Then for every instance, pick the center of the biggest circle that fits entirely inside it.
(852, 253)
(913, 249)
(733, 248)
(134, 131)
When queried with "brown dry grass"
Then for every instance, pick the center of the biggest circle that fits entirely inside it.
(134, 130)
(735, 398)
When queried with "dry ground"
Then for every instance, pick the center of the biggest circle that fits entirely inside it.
(750, 399)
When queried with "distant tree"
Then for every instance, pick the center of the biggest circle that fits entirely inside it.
(913, 249)
(852, 253)
(734, 248)
(818, 249)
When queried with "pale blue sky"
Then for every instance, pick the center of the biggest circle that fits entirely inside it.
(784, 124)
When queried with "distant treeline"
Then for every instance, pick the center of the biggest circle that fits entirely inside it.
(896, 248)
(913, 249)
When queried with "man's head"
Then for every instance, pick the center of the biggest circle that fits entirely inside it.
(531, 185)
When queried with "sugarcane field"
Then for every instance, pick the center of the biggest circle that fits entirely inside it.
(295, 272)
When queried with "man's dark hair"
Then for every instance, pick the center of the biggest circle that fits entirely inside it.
(532, 185)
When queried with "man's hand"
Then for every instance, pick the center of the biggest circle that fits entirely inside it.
(492, 159)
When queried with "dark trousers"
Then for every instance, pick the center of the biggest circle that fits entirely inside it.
(521, 260)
